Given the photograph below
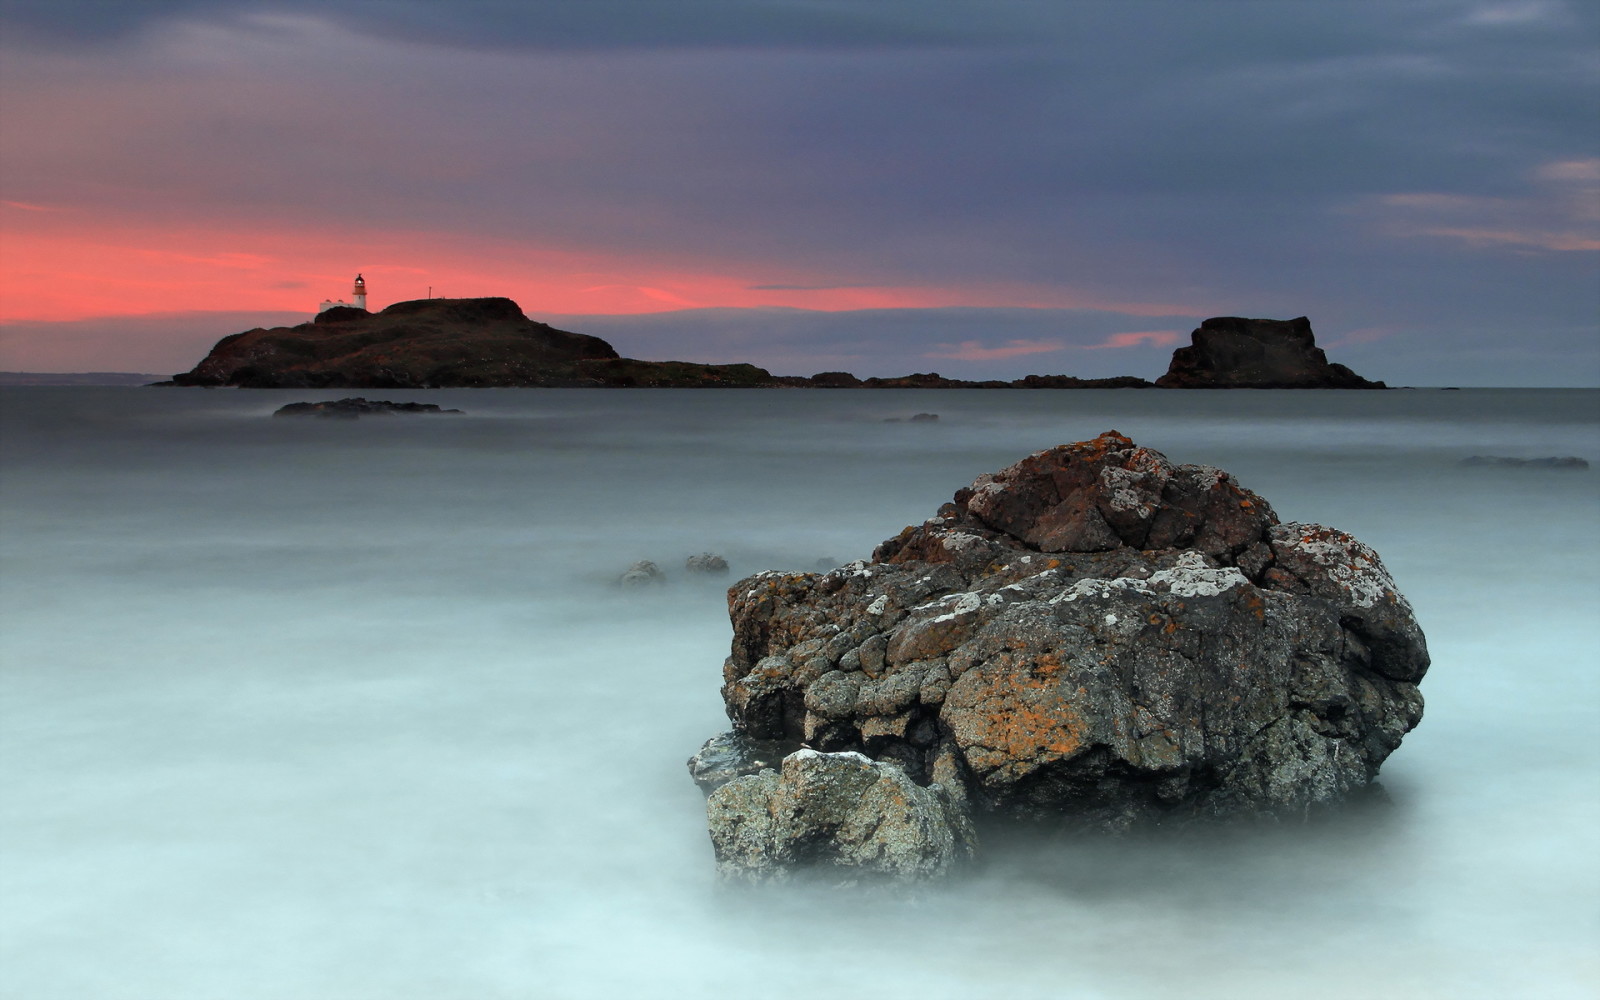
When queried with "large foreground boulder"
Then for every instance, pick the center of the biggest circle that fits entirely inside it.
(1091, 638)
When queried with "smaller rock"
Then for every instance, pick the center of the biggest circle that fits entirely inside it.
(706, 563)
(643, 573)
(840, 816)
(734, 755)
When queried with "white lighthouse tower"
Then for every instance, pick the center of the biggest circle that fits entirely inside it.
(358, 298)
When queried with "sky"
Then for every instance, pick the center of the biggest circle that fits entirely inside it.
(985, 190)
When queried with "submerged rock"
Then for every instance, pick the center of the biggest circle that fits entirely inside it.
(1092, 638)
(706, 564)
(643, 573)
(1548, 462)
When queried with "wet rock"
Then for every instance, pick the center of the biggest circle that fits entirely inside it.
(643, 573)
(706, 564)
(732, 755)
(841, 817)
(1093, 638)
(354, 407)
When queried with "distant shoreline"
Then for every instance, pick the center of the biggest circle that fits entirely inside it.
(77, 378)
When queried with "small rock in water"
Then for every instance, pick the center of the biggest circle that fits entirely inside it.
(1548, 462)
(353, 407)
(922, 418)
(643, 573)
(706, 563)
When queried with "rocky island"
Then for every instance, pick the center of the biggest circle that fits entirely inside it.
(1092, 639)
(1230, 352)
(489, 342)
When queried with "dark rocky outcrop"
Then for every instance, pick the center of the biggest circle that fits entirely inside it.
(354, 407)
(1072, 382)
(417, 344)
(435, 343)
(1093, 638)
(1229, 352)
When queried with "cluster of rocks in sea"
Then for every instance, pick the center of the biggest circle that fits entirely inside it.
(354, 408)
(1092, 639)
(645, 573)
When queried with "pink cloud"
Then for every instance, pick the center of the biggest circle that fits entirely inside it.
(1155, 338)
(1538, 239)
(1559, 212)
(1365, 335)
(972, 350)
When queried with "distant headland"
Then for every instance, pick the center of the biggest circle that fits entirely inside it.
(489, 342)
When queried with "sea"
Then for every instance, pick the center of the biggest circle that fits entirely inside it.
(328, 710)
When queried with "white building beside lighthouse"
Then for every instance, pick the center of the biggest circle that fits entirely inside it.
(358, 298)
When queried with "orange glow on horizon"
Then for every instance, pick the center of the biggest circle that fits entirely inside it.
(60, 273)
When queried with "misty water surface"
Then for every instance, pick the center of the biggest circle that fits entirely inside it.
(327, 709)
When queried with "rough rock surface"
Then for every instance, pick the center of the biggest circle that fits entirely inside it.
(354, 407)
(840, 816)
(1091, 638)
(1228, 352)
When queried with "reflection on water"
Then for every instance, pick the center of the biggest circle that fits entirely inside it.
(332, 710)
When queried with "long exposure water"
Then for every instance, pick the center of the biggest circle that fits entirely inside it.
(332, 710)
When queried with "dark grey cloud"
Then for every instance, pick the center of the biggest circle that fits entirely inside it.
(551, 24)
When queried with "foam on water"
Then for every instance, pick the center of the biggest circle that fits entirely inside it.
(337, 710)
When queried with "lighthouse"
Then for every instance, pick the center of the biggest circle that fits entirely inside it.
(358, 298)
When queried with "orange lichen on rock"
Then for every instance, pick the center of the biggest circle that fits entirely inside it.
(1009, 715)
